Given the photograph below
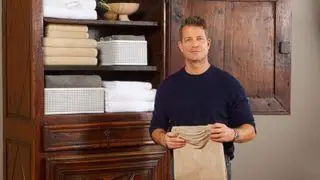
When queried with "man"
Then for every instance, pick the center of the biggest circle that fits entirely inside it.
(201, 94)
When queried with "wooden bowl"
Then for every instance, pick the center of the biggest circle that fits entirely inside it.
(110, 16)
(124, 9)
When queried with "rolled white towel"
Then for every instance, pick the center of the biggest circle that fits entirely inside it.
(56, 12)
(127, 85)
(117, 95)
(71, 4)
(129, 106)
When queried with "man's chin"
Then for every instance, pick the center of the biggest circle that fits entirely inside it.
(195, 60)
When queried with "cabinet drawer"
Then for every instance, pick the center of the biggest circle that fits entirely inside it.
(139, 165)
(95, 135)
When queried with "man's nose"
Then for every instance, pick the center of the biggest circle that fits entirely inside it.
(195, 43)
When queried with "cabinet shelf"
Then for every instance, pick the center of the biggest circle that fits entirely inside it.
(101, 22)
(102, 68)
(143, 117)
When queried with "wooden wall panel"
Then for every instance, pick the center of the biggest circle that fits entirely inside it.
(214, 14)
(18, 160)
(17, 58)
(249, 49)
(251, 40)
(283, 54)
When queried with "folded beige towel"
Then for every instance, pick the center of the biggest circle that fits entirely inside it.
(67, 27)
(66, 34)
(200, 158)
(67, 42)
(70, 60)
(70, 52)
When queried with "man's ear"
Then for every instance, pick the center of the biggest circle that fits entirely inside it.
(209, 43)
(180, 46)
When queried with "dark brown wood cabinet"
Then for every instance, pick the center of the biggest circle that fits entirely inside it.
(106, 146)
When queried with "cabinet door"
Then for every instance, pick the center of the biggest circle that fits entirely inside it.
(250, 40)
(135, 165)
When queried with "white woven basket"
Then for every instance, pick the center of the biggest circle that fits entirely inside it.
(123, 52)
(73, 100)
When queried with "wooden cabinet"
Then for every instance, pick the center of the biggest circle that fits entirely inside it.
(114, 131)
(106, 146)
(250, 39)
(140, 164)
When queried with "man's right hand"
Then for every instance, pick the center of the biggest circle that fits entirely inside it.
(172, 141)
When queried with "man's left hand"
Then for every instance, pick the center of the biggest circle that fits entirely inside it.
(221, 133)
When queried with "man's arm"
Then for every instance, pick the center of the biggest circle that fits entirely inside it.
(241, 125)
(246, 133)
(158, 136)
(222, 133)
(168, 140)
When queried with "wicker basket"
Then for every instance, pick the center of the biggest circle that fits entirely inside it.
(73, 100)
(123, 52)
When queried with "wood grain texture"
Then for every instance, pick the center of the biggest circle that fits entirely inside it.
(251, 40)
(249, 46)
(283, 61)
(22, 100)
(86, 140)
(18, 159)
(117, 118)
(143, 164)
(101, 22)
(179, 9)
(245, 0)
(17, 57)
(101, 68)
(96, 135)
(214, 14)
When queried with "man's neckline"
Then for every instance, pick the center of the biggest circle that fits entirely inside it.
(197, 75)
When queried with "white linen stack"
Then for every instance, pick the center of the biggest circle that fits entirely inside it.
(128, 96)
(70, 9)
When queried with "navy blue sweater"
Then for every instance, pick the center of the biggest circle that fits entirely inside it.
(213, 96)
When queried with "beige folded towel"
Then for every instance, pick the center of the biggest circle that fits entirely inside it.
(66, 42)
(70, 52)
(66, 34)
(70, 61)
(67, 27)
(200, 158)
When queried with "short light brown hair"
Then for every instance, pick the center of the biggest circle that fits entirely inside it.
(193, 21)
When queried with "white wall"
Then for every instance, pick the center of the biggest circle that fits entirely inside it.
(288, 147)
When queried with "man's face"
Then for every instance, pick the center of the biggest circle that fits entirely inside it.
(194, 44)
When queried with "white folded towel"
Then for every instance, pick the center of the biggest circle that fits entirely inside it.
(129, 106)
(71, 4)
(127, 85)
(56, 12)
(116, 95)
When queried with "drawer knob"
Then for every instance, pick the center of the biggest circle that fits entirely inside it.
(107, 132)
